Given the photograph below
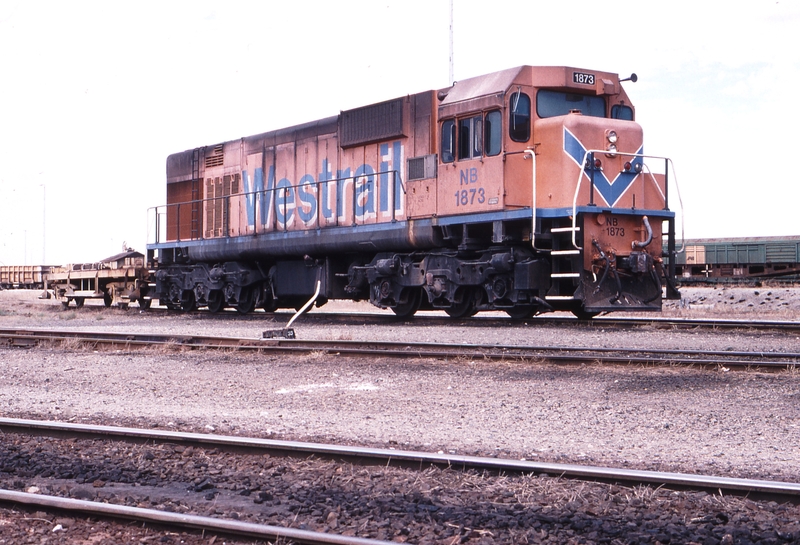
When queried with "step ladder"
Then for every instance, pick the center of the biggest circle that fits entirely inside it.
(566, 263)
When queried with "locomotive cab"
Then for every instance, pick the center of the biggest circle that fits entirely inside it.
(569, 151)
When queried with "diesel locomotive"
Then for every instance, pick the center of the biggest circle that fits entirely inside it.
(525, 190)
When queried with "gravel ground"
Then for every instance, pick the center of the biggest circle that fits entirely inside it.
(742, 424)
(731, 423)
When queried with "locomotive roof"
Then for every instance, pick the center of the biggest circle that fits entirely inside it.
(497, 84)
(489, 84)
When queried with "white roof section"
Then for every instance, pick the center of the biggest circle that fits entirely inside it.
(490, 84)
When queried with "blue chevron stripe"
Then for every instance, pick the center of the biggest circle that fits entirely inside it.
(611, 191)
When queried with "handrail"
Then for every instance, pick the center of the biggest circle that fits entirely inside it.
(279, 202)
(668, 162)
(530, 152)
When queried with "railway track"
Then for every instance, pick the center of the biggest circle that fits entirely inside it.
(205, 525)
(17, 337)
(632, 481)
(424, 319)
(401, 458)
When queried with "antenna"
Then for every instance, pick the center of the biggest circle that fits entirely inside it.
(452, 77)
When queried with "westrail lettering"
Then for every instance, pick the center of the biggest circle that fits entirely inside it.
(359, 194)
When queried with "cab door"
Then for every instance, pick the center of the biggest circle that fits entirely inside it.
(518, 165)
(471, 169)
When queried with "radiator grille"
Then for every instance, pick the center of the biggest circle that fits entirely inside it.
(217, 206)
(420, 168)
(216, 159)
(371, 123)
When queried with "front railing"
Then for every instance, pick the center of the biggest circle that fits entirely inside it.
(589, 170)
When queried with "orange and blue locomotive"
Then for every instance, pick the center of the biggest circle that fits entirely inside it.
(525, 190)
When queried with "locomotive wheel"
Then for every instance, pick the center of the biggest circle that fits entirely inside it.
(411, 306)
(247, 301)
(144, 304)
(188, 301)
(65, 304)
(79, 302)
(107, 299)
(521, 312)
(465, 308)
(270, 304)
(216, 301)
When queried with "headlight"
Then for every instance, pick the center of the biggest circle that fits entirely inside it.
(611, 136)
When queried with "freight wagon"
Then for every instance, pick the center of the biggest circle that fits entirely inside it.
(737, 259)
(23, 276)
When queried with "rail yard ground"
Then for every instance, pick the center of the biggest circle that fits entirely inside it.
(742, 424)
(768, 301)
(714, 421)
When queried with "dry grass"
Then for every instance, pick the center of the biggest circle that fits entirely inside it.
(316, 355)
(70, 344)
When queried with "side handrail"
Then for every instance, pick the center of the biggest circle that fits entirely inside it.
(278, 197)
(532, 154)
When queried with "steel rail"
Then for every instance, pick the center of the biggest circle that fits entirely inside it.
(194, 522)
(559, 353)
(378, 456)
(686, 323)
(505, 321)
(779, 360)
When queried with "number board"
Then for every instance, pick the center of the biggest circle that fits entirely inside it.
(583, 78)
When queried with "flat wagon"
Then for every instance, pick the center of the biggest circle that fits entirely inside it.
(118, 280)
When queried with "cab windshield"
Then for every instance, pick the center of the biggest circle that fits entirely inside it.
(554, 103)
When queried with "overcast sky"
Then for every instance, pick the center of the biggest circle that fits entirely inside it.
(95, 95)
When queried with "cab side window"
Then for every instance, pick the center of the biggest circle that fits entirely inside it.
(493, 135)
(448, 148)
(471, 137)
(519, 118)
